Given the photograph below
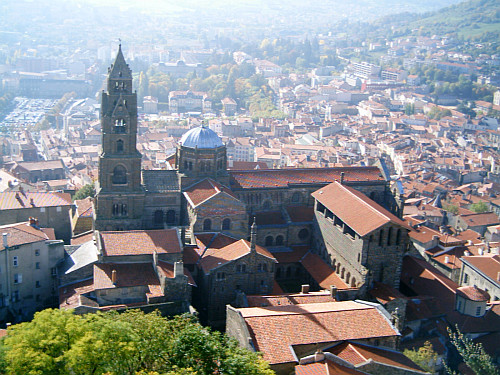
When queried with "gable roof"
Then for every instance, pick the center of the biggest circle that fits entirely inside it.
(214, 258)
(140, 242)
(23, 233)
(16, 200)
(270, 178)
(321, 272)
(275, 329)
(488, 265)
(355, 209)
(204, 190)
(357, 354)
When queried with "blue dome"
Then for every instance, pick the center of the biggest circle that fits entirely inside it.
(201, 137)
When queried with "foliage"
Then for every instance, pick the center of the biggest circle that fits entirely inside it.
(438, 113)
(479, 207)
(425, 357)
(472, 354)
(59, 342)
(84, 192)
(451, 208)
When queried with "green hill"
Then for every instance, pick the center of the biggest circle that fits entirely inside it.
(470, 19)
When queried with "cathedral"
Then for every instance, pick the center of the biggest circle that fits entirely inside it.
(211, 204)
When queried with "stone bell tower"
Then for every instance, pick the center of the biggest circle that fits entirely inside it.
(120, 195)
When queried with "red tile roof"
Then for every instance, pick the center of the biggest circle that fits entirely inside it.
(168, 270)
(10, 200)
(275, 329)
(84, 207)
(140, 242)
(385, 293)
(127, 275)
(357, 354)
(23, 233)
(69, 295)
(322, 273)
(326, 367)
(289, 299)
(355, 209)
(300, 214)
(203, 190)
(489, 322)
(269, 178)
(213, 258)
(487, 218)
(473, 293)
(489, 265)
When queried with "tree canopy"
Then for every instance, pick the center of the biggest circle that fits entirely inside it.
(60, 342)
(84, 192)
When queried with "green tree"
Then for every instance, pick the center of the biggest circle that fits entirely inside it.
(425, 357)
(84, 192)
(451, 208)
(59, 342)
(472, 354)
(479, 207)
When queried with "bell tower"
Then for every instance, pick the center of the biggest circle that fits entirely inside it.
(120, 195)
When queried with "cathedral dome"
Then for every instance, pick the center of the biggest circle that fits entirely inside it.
(201, 137)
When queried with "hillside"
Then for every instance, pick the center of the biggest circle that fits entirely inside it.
(470, 19)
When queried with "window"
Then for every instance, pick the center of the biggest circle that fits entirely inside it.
(226, 224)
(303, 234)
(459, 306)
(207, 224)
(53, 271)
(241, 268)
(15, 296)
(18, 278)
(466, 278)
(398, 236)
(220, 276)
(158, 217)
(37, 265)
(381, 235)
(15, 261)
(119, 175)
(170, 217)
(389, 235)
(37, 284)
(119, 146)
(262, 267)
(37, 252)
(478, 311)
(279, 240)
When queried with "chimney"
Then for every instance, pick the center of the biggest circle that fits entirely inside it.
(5, 244)
(342, 175)
(253, 235)
(113, 277)
(319, 356)
(32, 221)
(480, 251)
(333, 291)
(178, 269)
(447, 259)
(155, 259)
(32, 202)
(466, 253)
(305, 289)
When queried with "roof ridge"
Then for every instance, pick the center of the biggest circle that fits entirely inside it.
(357, 351)
(353, 192)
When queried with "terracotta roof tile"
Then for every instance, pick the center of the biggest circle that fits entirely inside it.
(127, 275)
(168, 270)
(300, 214)
(355, 209)
(487, 218)
(473, 293)
(22, 233)
(15, 200)
(213, 258)
(489, 265)
(322, 273)
(357, 353)
(69, 295)
(326, 367)
(285, 177)
(289, 299)
(138, 242)
(275, 329)
(203, 190)
(84, 207)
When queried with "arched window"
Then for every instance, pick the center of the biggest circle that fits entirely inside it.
(269, 241)
(119, 146)
(158, 217)
(116, 209)
(380, 236)
(123, 210)
(389, 236)
(347, 278)
(353, 282)
(119, 175)
(170, 219)
(120, 126)
(303, 234)
(207, 224)
(398, 236)
(296, 197)
(226, 224)
(241, 268)
(279, 240)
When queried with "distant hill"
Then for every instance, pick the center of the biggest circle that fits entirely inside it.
(469, 19)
